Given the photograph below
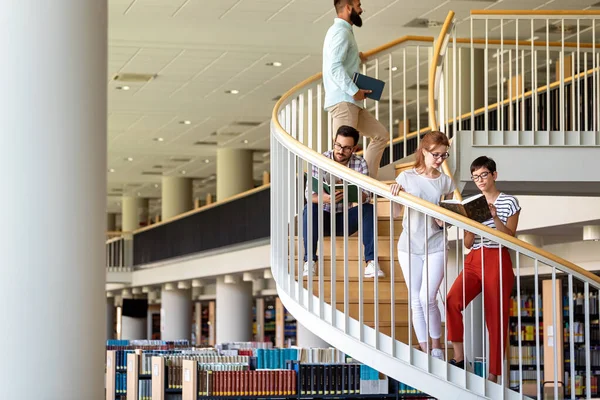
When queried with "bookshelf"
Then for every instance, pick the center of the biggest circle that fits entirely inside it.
(204, 323)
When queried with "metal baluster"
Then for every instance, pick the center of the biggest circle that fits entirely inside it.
(537, 332)
(405, 122)
(332, 258)
(502, 338)
(391, 106)
(346, 255)
(376, 277)
(518, 259)
(392, 282)
(486, 84)
(407, 213)
(321, 231)
(427, 322)
(548, 126)
(418, 95)
(562, 79)
(361, 314)
(554, 329)
(309, 236)
(588, 372)
(571, 336)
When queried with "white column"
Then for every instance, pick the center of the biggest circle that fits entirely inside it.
(110, 318)
(134, 213)
(133, 328)
(305, 338)
(53, 103)
(176, 314)
(234, 311)
(234, 172)
(176, 196)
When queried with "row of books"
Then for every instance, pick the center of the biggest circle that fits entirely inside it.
(577, 302)
(247, 383)
(579, 333)
(528, 304)
(274, 358)
(580, 381)
(528, 376)
(528, 331)
(243, 345)
(144, 389)
(328, 379)
(528, 355)
(580, 360)
(121, 383)
(114, 344)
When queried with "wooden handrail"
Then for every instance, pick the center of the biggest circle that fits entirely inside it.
(535, 12)
(433, 69)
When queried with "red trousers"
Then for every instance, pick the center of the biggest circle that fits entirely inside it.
(492, 299)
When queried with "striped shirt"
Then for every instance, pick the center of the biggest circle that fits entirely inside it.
(356, 163)
(506, 207)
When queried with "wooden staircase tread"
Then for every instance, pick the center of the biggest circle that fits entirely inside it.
(352, 279)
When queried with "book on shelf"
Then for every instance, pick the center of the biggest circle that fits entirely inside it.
(369, 83)
(351, 190)
(474, 207)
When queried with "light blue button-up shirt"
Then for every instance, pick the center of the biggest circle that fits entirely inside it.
(340, 62)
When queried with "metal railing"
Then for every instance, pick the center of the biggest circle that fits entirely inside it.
(360, 315)
(118, 254)
(524, 79)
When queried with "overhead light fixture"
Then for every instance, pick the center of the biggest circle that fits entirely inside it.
(123, 88)
(183, 172)
(139, 193)
(111, 170)
(232, 91)
(245, 141)
(159, 139)
(156, 185)
(206, 161)
(129, 159)
(185, 122)
(394, 69)
(274, 64)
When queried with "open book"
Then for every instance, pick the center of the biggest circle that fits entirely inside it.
(351, 190)
(474, 207)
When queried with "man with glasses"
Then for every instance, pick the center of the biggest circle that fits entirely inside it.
(344, 148)
(343, 99)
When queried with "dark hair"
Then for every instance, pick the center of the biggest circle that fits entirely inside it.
(428, 142)
(347, 131)
(338, 4)
(483, 162)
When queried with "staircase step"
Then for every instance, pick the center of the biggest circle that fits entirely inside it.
(385, 311)
(353, 268)
(384, 292)
(383, 246)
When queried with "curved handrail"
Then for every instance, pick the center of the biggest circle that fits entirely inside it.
(435, 76)
(535, 13)
(416, 203)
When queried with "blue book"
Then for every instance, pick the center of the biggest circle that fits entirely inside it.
(369, 83)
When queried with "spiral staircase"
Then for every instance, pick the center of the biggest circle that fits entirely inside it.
(370, 319)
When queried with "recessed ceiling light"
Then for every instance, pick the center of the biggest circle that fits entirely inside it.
(111, 170)
(274, 64)
(394, 69)
(139, 193)
(156, 185)
(183, 172)
(207, 161)
(245, 141)
(159, 139)
(123, 87)
(129, 159)
(185, 122)
(232, 91)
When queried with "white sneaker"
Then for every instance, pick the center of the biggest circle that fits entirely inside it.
(437, 353)
(370, 270)
(305, 270)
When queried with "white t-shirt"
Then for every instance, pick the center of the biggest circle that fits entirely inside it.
(506, 207)
(432, 191)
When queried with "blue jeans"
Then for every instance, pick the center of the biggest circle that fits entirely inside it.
(367, 224)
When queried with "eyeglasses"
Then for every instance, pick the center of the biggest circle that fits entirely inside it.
(483, 175)
(344, 149)
(443, 156)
